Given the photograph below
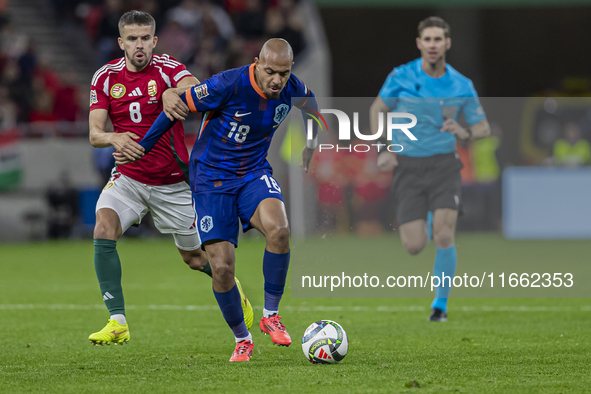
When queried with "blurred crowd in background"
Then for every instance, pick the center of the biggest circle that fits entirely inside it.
(30, 90)
(207, 36)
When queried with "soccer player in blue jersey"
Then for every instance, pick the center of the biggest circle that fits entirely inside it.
(232, 181)
(427, 182)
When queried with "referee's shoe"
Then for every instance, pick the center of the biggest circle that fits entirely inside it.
(437, 315)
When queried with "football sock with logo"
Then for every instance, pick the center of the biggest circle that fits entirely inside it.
(207, 270)
(108, 271)
(445, 265)
(231, 308)
(275, 268)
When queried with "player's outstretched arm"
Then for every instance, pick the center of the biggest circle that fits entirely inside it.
(309, 106)
(160, 126)
(173, 106)
(200, 98)
(307, 154)
(123, 142)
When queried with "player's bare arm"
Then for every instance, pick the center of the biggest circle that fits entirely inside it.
(311, 140)
(307, 154)
(308, 150)
(173, 106)
(121, 159)
(386, 160)
(480, 130)
(123, 142)
(477, 131)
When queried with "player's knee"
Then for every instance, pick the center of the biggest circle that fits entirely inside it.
(413, 248)
(104, 231)
(279, 237)
(223, 270)
(443, 239)
(196, 261)
(222, 264)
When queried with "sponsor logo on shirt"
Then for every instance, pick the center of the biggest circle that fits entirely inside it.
(201, 91)
(117, 90)
(152, 89)
(180, 75)
(93, 97)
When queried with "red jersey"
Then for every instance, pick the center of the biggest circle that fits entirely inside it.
(133, 100)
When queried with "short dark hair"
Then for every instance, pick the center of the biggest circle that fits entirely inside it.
(434, 21)
(139, 18)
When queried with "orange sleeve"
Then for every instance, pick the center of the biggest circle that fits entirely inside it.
(190, 101)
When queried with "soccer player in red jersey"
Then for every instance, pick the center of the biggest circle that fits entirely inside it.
(130, 91)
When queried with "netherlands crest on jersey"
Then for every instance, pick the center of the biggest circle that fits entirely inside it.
(280, 113)
(117, 90)
(206, 223)
(201, 91)
(152, 89)
(93, 97)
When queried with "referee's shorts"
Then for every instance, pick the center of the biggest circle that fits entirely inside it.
(423, 184)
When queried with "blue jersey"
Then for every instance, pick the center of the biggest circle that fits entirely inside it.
(237, 127)
(432, 100)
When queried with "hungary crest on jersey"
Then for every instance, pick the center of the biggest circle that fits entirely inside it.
(152, 89)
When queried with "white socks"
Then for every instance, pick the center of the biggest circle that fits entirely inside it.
(267, 313)
(248, 338)
(119, 319)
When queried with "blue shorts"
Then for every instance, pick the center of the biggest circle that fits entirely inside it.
(218, 209)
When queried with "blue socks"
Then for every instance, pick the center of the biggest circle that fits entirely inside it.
(231, 308)
(275, 268)
(445, 264)
(429, 226)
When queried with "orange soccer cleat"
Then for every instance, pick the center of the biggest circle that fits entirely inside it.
(272, 325)
(243, 351)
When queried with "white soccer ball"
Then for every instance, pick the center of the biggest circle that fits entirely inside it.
(325, 342)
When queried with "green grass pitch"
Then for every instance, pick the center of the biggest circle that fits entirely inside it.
(50, 302)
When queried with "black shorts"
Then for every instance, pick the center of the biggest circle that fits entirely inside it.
(423, 184)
